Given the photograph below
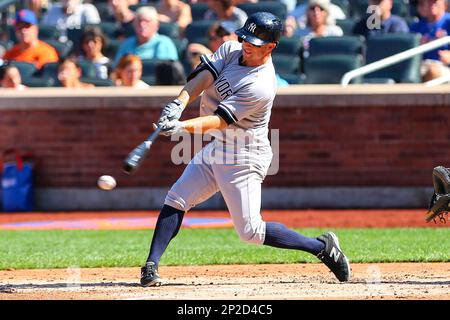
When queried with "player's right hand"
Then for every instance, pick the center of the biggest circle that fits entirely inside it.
(172, 111)
(169, 128)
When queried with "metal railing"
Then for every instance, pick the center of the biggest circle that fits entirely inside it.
(438, 81)
(396, 58)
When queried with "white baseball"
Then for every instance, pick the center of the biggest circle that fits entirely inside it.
(106, 182)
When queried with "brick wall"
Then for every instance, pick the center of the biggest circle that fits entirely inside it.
(327, 138)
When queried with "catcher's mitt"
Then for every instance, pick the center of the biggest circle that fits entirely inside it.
(440, 201)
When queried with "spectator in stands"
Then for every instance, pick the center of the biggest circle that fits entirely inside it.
(10, 77)
(69, 74)
(297, 20)
(170, 73)
(435, 26)
(29, 48)
(39, 7)
(318, 24)
(174, 11)
(218, 33)
(148, 43)
(92, 43)
(225, 10)
(381, 21)
(421, 8)
(129, 72)
(71, 14)
(124, 16)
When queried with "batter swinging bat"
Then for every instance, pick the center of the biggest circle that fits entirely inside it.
(136, 157)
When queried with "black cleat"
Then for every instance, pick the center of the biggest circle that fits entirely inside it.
(150, 276)
(334, 258)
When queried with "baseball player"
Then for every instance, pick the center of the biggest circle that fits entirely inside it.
(239, 85)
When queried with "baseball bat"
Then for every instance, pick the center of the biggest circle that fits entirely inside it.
(136, 157)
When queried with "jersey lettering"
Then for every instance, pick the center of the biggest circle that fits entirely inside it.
(223, 87)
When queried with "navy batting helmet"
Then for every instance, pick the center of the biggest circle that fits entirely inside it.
(261, 28)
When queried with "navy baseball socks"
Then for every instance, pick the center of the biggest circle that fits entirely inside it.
(326, 247)
(167, 227)
(279, 236)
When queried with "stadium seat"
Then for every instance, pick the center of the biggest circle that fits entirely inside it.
(48, 33)
(150, 80)
(275, 7)
(105, 12)
(149, 67)
(6, 44)
(74, 35)
(134, 7)
(358, 8)
(36, 82)
(401, 8)
(286, 63)
(181, 45)
(198, 10)
(346, 25)
(329, 69)
(379, 47)
(344, 5)
(25, 69)
(12, 33)
(63, 48)
(292, 78)
(170, 29)
(336, 45)
(111, 48)
(98, 82)
(51, 69)
(109, 29)
(290, 46)
(197, 31)
(87, 69)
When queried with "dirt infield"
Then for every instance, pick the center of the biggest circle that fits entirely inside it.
(268, 282)
(386, 218)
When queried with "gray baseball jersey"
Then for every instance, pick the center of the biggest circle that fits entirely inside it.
(243, 97)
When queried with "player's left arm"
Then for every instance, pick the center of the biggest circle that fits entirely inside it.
(193, 88)
(203, 124)
(195, 126)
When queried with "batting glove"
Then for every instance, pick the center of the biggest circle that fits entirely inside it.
(169, 128)
(172, 111)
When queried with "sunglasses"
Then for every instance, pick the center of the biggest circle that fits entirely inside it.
(23, 25)
(242, 40)
(312, 8)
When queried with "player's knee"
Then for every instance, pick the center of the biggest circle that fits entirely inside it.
(175, 200)
(253, 232)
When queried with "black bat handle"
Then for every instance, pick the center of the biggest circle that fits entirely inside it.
(136, 157)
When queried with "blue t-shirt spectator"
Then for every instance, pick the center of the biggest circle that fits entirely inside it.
(158, 47)
(393, 24)
(433, 31)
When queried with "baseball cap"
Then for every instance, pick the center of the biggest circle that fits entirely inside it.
(324, 4)
(26, 16)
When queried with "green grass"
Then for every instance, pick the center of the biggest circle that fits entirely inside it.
(86, 248)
